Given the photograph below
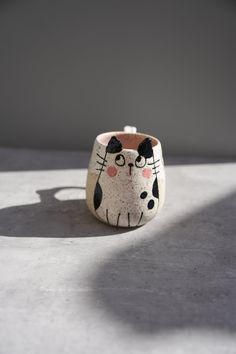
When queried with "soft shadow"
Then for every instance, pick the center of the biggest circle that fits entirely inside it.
(181, 278)
(53, 218)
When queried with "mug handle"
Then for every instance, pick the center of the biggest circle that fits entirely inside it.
(130, 129)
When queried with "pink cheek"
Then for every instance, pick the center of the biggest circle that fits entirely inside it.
(112, 171)
(147, 172)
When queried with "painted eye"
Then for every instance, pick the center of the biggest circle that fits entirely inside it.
(120, 160)
(140, 161)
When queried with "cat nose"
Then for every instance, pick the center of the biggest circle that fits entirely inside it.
(130, 166)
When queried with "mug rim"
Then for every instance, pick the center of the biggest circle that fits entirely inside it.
(140, 136)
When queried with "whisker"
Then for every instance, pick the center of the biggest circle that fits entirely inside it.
(100, 169)
(101, 163)
(101, 157)
(155, 173)
(153, 163)
(154, 167)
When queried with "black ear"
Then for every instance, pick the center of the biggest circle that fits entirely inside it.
(114, 145)
(145, 148)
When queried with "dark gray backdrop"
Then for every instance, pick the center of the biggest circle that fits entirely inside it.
(72, 69)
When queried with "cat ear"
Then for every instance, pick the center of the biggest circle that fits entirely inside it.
(145, 148)
(114, 145)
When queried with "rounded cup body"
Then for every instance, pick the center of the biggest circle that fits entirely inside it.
(126, 178)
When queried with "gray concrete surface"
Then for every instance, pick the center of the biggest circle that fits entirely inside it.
(70, 284)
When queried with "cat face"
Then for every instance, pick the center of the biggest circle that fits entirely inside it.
(125, 165)
(123, 181)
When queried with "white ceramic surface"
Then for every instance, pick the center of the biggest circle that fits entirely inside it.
(126, 178)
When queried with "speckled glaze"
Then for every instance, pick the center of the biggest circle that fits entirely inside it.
(126, 179)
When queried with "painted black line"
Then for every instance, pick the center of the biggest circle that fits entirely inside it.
(155, 173)
(140, 218)
(128, 220)
(153, 163)
(107, 216)
(100, 169)
(154, 167)
(101, 163)
(118, 217)
(104, 158)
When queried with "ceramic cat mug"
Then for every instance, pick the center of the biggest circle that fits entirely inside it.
(126, 179)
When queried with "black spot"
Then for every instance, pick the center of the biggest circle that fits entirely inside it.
(143, 195)
(151, 204)
(155, 189)
(114, 145)
(145, 148)
(97, 197)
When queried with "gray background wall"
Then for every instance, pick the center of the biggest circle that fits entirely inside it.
(72, 69)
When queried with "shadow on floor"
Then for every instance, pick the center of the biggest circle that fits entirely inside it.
(182, 278)
(53, 218)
